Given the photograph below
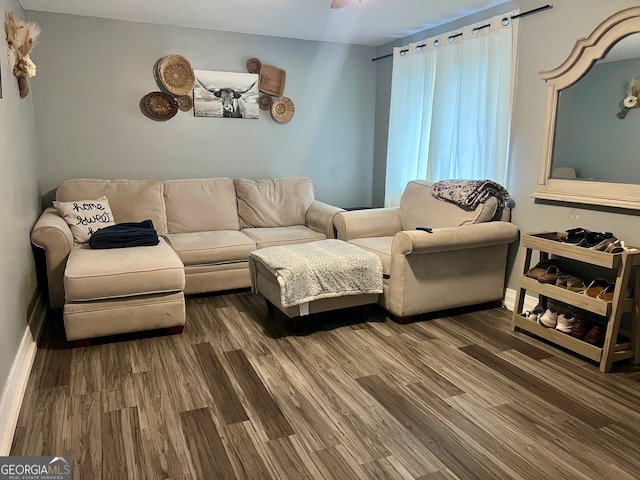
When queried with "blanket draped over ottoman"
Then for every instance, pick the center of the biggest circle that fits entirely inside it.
(322, 269)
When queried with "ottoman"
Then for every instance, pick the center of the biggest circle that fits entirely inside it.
(122, 290)
(315, 277)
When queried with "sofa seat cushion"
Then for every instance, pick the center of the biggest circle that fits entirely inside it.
(270, 237)
(381, 246)
(122, 272)
(205, 248)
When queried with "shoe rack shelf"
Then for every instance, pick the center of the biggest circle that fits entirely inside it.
(622, 266)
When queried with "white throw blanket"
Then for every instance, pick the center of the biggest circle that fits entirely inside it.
(322, 269)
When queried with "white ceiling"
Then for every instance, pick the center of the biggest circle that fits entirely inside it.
(372, 22)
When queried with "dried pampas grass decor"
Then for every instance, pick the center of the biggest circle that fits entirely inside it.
(21, 37)
(631, 100)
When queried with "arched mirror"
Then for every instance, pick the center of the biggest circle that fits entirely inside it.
(591, 138)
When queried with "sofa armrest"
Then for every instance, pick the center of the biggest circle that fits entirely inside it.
(476, 235)
(374, 222)
(319, 217)
(52, 234)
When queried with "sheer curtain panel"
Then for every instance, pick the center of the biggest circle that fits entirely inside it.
(451, 99)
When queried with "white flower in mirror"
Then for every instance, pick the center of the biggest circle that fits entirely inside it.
(631, 100)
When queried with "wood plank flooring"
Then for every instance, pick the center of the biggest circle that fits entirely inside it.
(239, 395)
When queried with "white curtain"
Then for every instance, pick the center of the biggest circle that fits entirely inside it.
(451, 107)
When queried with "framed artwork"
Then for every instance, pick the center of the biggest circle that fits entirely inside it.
(226, 94)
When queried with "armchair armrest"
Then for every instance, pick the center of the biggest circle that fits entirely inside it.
(454, 238)
(319, 217)
(52, 234)
(374, 222)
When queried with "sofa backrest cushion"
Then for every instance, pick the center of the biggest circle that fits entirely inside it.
(201, 205)
(418, 208)
(130, 200)
(281, 202)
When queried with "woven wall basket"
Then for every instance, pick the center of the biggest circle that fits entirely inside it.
(272, 80)
(282, 109)
(176, 75)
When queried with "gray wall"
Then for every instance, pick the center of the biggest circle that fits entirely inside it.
(20, 207)
(545, 41)
(589, 136)
(92, 74)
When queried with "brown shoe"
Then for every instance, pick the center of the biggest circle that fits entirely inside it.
(596, 335)
(581, 327)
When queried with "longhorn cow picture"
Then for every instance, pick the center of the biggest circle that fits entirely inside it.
(225, 94)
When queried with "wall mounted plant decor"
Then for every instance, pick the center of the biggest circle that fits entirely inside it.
(21, 37)
(631, 100)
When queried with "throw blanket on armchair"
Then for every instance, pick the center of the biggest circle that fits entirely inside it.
(322, 269)
(121, 235)
(468, 194)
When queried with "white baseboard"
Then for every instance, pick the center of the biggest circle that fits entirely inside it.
(16, 385)
(510, 301)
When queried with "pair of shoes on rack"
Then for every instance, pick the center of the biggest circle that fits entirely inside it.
(585, 238)
(600, 289)
(562, 322)
(534, 314)
(590, 332)
(575, 284)
(546, 269)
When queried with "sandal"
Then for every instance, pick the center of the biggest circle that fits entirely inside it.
(575, 284)
(551, 275)
(596, 287)
(577, 236)
(616, 247)
(607, 294)
(598, 240)
(542, 267)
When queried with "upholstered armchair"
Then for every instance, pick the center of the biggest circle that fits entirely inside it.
(461, 261)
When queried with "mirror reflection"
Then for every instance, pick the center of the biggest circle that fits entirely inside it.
(592, 142)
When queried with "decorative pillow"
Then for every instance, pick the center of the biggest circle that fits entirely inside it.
(85, 217)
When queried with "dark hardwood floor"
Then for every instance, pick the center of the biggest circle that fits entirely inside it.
(238, 395)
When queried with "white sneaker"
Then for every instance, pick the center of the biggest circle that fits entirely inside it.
(565, 322)
(548, 319)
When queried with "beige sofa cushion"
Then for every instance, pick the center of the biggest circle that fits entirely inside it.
(130, 200)
(418, 208)
(122, 272)
(85, 217)
(281, 202)
(381, 246)
(270, 237)
(201, 205)
(206, 248)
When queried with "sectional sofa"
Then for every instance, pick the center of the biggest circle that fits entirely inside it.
(207, 227)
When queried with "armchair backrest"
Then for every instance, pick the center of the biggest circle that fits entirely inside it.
(418, 208)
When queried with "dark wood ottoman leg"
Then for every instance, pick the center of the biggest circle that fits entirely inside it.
(270, 306)
(403, 320)
(84, 342)
(176, 330)
(365, 310)
(296, 323)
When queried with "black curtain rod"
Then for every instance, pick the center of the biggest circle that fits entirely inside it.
(451, 37)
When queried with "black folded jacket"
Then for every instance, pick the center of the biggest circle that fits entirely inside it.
(121, 235)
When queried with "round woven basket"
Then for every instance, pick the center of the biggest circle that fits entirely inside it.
(185, 102)
(282, 109)
(265, 102)
(176, 75)
(254, 65)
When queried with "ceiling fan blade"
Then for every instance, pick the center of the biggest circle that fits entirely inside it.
(339, 3)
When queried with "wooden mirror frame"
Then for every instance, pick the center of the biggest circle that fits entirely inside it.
(584, 54)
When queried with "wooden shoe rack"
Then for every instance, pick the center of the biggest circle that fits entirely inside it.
(618, 345)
